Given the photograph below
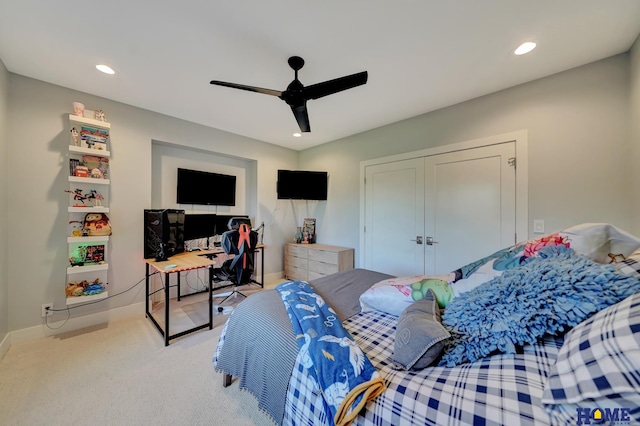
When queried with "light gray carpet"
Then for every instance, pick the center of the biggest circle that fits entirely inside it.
(121, 374)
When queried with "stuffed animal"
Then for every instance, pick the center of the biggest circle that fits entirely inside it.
(75, 228)
(97, 224)
(78, 256)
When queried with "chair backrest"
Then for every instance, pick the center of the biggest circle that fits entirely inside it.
(242, 243)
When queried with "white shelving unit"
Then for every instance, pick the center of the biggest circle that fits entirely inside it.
(88, 152)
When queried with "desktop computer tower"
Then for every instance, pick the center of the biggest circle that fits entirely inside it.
(163, 232)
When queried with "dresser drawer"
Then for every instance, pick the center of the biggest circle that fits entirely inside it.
(324, 256)
(296, 262)
(293, 273)
(295, 251)
(314, 275)
(322, 268)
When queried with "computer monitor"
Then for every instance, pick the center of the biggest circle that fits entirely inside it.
(199, 226)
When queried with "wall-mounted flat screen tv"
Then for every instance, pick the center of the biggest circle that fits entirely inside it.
(302, 185)
(206, 188)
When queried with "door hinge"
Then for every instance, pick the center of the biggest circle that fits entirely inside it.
(512, 162)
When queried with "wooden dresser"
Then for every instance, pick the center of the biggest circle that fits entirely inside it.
(311, 261)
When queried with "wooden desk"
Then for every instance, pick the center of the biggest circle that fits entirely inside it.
(184, 262)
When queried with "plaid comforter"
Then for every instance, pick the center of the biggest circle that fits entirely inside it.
(498, 390)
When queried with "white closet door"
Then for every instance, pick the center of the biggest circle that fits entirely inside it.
(470, 206)
(394, 217)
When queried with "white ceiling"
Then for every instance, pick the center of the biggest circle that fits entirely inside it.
(421, 55)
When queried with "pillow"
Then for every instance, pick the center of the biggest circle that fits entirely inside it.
(394, 295)
(597, 240)
(598, 366)
(419, 335)
(548, 294)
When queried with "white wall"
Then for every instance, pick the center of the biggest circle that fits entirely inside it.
(4, 283)
(38, 132)
(578, 125)
(635, 137)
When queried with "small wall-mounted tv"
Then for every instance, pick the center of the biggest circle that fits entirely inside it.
(206, 188)
(302, 185)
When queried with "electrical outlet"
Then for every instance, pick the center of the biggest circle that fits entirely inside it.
(47, 309)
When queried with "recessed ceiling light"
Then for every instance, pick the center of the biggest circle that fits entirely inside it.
(297, 135)
(525, 47)
(105, 69)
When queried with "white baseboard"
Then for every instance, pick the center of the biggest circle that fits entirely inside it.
(275, 276)
(72, 324)
(4, 345)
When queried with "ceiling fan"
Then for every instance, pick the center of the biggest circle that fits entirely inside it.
(296, 95)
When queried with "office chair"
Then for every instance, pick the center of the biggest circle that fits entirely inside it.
(241, 241)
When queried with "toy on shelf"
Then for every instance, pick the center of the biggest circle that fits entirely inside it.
(92, 199)
(96, 224)
(84, 288)
(98, 115)
(75, 228)
(77, 257)
(75, 134)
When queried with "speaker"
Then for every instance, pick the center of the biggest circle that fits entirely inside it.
(163, 233)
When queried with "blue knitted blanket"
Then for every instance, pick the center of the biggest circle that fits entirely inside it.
(334, 360)
(547, 294)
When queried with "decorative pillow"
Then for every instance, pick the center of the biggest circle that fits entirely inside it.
(548, 294)
(419, 335)
(598, 367)
(394, 295)
(597, 240)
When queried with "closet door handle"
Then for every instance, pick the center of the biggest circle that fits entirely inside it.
(430, 241)
(418, 240)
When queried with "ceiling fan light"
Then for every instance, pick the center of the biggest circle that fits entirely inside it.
(105, 69)
(525, 47)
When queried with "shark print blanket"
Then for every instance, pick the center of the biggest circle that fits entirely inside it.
(341, 370)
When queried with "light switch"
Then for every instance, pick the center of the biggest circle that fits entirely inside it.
(538, 226)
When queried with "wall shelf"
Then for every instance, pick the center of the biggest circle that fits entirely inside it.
(72, 270)
(89, 121)
(87, 239)
(76, 300)
(96, 209)
(88, 148)
(88, 180)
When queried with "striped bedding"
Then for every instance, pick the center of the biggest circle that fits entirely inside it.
(498, 390)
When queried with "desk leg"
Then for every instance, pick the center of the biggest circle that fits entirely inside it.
(146, 296)
(262, 267)
(166, 308)
(210, 297)
(178, 286)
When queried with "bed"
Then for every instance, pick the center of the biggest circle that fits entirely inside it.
(585, 373)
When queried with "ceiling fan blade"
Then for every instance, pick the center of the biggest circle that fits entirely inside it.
(319, 90)
(249, 88)
(302, 117)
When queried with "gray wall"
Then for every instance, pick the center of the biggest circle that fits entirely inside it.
(635, 137)
(581, 151)
(4, 285)
(578, 125)
(37, 204)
